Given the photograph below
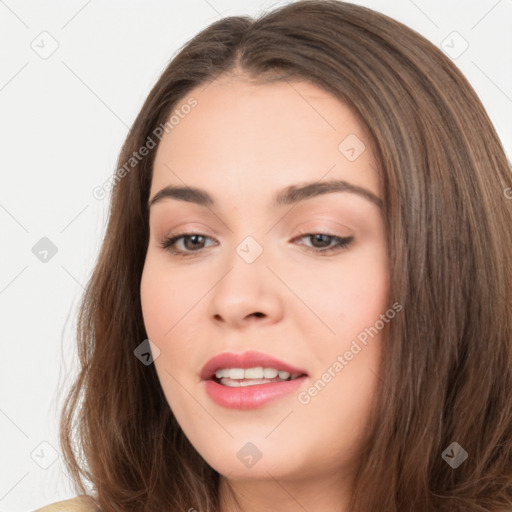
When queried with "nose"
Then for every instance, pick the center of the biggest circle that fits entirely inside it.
(248, 293)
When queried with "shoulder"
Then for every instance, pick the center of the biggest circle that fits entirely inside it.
(78, 504)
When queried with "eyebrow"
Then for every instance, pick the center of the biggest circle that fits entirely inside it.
(289, 195)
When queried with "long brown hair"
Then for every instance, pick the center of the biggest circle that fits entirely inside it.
(446, 371)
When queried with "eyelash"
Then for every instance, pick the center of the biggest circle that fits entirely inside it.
(169, 243)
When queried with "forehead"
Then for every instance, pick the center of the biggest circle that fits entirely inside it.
(266, 136)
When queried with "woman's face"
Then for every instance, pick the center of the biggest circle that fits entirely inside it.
(295, 274)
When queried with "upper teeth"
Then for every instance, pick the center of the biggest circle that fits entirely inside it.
(257, 372)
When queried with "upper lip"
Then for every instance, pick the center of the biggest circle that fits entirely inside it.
(249, 359)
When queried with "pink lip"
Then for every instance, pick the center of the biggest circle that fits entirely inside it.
(251, 397)
(248, 397)
(249, 359)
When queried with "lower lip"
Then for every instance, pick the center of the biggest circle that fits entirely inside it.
(250, 397)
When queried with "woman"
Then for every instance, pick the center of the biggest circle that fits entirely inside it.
(342, 337)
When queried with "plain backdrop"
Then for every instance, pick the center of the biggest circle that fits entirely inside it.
(73, 77)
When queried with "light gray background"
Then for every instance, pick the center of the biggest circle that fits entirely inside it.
(63, 118)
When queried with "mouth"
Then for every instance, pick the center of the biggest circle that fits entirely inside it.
(249, 380)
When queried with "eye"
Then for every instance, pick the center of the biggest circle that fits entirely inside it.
(193, 242)
(322, 243)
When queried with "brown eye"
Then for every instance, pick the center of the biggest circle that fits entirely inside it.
(192, 242)
(196, 242)
(321, 239)
(321, 242)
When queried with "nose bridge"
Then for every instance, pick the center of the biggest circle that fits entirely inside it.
(247, 264)
(247, 288)
(250, 236)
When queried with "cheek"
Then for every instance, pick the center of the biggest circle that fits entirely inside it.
(351, 295)
(171, 301)
(153, 299)
(365, 295)
(162, 309)
(166, 295)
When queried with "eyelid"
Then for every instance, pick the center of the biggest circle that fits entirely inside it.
(341, 242)
(321, 225)
(308, 230)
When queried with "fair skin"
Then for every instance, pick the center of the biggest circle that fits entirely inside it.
(242, 144)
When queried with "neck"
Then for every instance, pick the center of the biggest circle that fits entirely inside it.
(328, 494)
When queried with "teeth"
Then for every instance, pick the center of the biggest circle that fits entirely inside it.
(254, 373)
(270, 373)
(242, 383)
(236, 373)
(257, 372)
